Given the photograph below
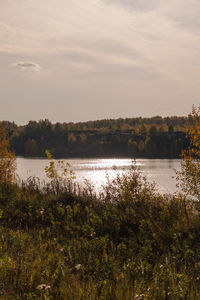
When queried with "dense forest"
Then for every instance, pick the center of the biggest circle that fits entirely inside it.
(154, 137)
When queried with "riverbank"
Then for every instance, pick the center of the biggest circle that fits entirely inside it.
(130, 242)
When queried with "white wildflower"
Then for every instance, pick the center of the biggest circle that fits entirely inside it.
(77, 267)
(43, 286)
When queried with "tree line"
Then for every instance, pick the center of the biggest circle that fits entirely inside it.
(154, 137)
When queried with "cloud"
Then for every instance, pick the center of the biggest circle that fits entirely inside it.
(134, 4)
(27, 65)
(182, 12)
(99, 50)
(185, 14)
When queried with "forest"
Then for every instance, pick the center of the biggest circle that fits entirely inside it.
(154, 137)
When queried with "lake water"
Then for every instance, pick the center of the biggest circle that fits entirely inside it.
(160, 171)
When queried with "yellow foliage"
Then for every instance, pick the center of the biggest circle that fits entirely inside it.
(189, 176)
(58, 171)
(7, 159)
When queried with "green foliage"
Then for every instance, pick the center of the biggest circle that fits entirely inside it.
(31, 148)
(103, 138)
(128, 242)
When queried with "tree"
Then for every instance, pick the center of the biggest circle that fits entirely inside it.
(152, 130)
(141, 147)
(132, 147)
(31, 148)
(83, 139)
(189, 175)
(143, 129)
(71, 139)
(170, 128)
(59, 173)
(150, 147)
(7, 159)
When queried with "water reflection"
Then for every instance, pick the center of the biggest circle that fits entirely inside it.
(96, 171)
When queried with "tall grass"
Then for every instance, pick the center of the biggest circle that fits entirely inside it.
(61, 241)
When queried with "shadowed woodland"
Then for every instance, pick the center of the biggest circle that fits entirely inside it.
(155, 137)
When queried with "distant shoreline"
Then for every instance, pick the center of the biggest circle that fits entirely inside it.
(151, 138)
(99, 157)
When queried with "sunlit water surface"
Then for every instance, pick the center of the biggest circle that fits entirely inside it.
(160, 171)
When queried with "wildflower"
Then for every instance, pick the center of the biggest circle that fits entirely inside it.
(43, 286)
(77, 267)
(126, 266)
(169, 293)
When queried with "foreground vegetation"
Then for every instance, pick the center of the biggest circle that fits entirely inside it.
(128, 243)
(59, 241)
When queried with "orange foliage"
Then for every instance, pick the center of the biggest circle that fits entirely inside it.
(7, 159)
(189, 176)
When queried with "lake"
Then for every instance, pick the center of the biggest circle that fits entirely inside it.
(160, 171)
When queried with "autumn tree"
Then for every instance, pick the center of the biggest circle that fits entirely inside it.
(7, 159)
(83, 139)
(132, 146)
(170, 128)
(153, 130)
(58, 172)
(189, 175)
(72, 139)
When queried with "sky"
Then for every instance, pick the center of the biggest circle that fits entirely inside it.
(79, 60)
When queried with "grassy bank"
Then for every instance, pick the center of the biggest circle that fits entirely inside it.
(63, 242)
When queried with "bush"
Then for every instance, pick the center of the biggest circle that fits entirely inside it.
(7, 159)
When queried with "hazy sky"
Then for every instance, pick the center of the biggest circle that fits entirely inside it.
(77, 60)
